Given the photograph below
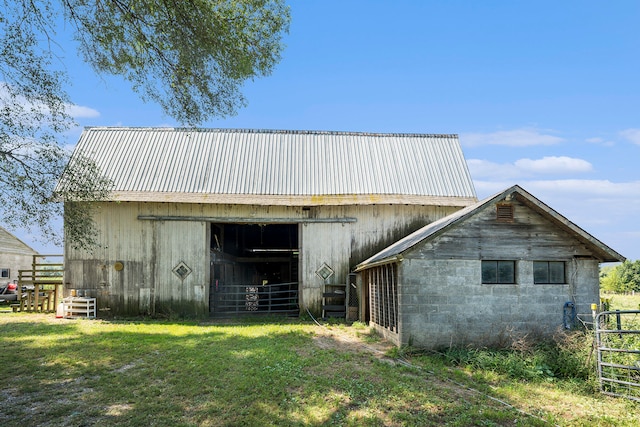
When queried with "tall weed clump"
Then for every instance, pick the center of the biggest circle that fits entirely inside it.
(568, 355)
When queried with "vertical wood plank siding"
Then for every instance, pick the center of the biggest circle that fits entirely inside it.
(151, 249)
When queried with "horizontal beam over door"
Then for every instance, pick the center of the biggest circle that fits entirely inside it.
(227, 220)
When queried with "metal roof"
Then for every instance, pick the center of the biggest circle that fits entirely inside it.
(282, 167)
(393, 253)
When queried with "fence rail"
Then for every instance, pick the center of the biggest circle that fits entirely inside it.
(618, 345)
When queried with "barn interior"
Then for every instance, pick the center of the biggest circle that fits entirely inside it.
(254, 268)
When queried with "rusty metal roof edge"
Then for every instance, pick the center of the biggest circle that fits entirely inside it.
(269, 131)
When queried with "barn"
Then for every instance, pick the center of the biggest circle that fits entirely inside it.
(208, 222)
(15, 255)
(494, 272)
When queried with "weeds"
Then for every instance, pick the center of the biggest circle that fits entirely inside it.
(564, 357)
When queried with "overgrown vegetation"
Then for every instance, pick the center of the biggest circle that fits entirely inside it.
(569, 356)
(621, 278)
(284, 372)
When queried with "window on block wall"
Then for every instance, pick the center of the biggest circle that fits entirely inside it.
(549, 272)
(499, 272)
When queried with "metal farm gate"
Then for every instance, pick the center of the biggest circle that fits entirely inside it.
(618, 346)
(246, 299)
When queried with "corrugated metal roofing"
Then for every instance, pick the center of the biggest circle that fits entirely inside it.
(277, 163)
(430, 231)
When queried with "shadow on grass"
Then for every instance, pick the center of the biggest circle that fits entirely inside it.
(183, 373)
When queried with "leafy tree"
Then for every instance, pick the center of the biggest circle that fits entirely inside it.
(623, 277)
(629, 272)
(609, 279)
(190, 57)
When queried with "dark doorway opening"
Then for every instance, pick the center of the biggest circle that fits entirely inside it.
(254, 269)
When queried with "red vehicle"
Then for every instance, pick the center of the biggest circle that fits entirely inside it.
(8, 292)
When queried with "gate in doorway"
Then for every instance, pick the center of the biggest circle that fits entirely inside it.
(618, 346)
(241, 299)
(254, 269)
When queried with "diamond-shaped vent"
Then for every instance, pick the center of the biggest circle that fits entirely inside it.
(182, 270)
(324, 271)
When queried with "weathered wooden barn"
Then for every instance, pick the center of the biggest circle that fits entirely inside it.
(15, 255)
(208, 221)
(493, 272)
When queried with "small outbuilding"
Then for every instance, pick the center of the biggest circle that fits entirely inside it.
(15, 255)
(501, 269)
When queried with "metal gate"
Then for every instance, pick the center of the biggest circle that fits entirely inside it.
(246, 299)
(618, 345)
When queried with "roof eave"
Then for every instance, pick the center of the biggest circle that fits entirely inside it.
(291, 200)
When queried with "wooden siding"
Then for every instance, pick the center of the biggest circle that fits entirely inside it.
(150, 249)
(528, 236)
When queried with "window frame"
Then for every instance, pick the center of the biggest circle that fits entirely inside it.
(498, 280)
(2, 273)
(548, 279)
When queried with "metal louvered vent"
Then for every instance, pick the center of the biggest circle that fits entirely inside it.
(504, 212)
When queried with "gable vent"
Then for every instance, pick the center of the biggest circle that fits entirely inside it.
(504, 212)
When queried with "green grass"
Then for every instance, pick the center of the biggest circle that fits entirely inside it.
(623, 302)
(58, 372)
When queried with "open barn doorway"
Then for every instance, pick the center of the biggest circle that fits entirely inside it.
(254, 269)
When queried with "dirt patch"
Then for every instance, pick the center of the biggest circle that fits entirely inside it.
(351, 340)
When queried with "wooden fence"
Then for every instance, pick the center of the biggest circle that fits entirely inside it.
(40, 288)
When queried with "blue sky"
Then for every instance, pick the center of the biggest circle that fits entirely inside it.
(544, 94)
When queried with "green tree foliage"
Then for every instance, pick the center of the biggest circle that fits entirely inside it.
(190, 57)
(630, 275)
(609, 279)
(624, 277)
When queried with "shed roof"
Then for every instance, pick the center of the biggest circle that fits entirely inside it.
(10, 244)
(394, 252)
(275, 167)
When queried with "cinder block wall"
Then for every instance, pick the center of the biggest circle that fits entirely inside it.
(444, 303)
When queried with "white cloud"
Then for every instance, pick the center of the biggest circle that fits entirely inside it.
(553, 164)
(81, 112)
(600, 141)
(632, 135)
(75, 111)
(485, 169)
(511, 138)
(527, 168)
(594, 190)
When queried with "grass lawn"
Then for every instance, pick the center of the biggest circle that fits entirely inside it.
(278, 372)
(623, 302)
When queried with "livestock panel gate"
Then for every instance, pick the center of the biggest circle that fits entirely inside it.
(618, 346)
(254, 269)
